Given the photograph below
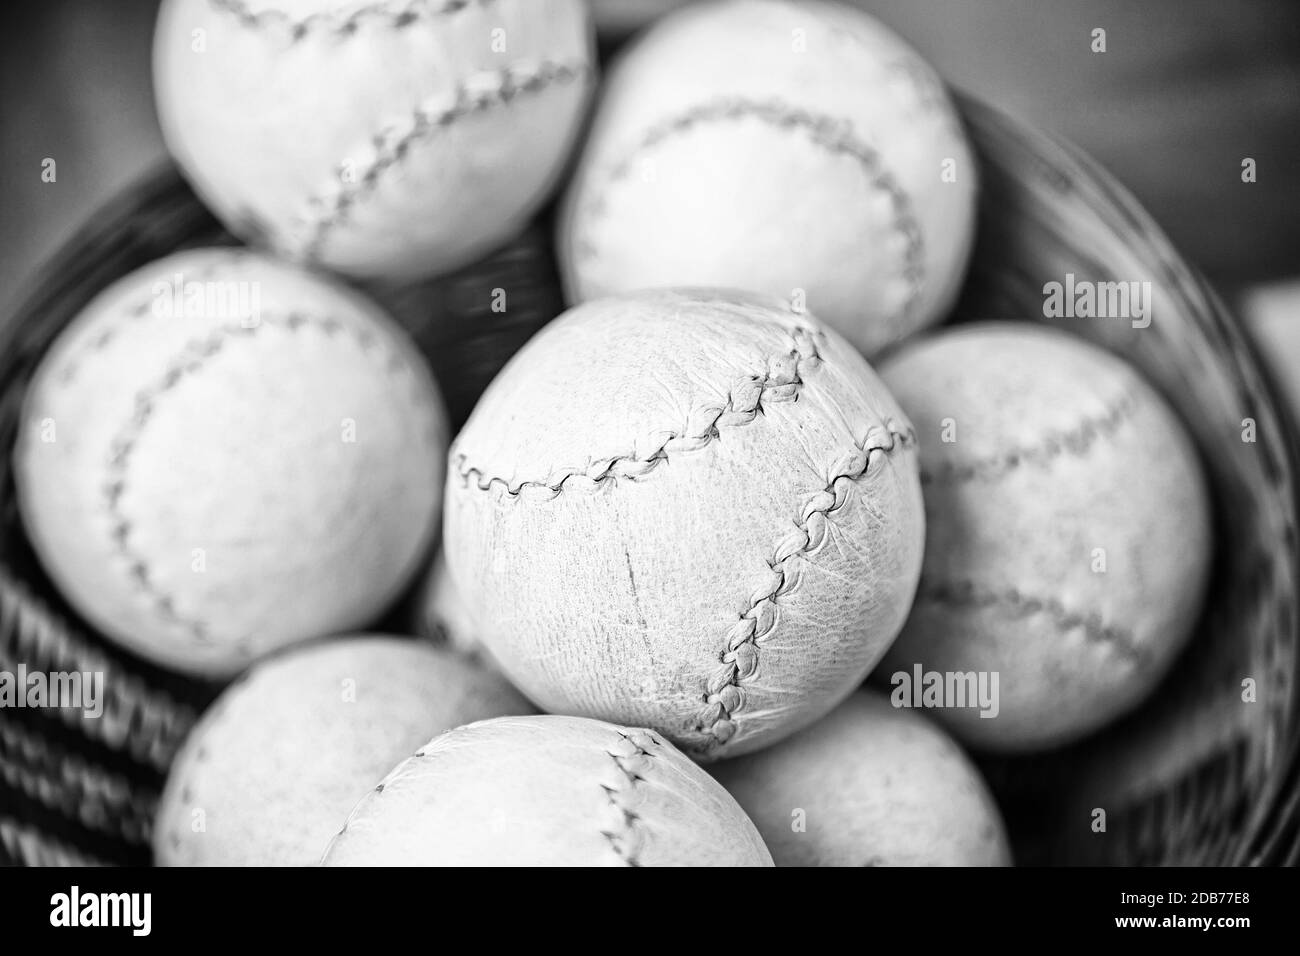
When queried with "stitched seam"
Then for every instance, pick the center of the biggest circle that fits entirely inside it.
(967, 594)
(141, 310)
(738, 662)
(393, 776)
(395, 15)
(1074, 441)
(627, 836)
(234, 691)
(192, 358)
(175, 841)
(482, 93)
(835, 136)
(781, 382)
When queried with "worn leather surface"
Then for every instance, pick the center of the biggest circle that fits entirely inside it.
(194, 433)
(650, 528)
(382, 139)
(1060, 449)
(724, 153)
(281, 758)
(870, 785)
(548, 791)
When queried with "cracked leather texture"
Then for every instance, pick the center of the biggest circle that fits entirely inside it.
(282, 757)
(790, 175)
(548, 791)
(872, 785)
(615, 598)
(1060, 449)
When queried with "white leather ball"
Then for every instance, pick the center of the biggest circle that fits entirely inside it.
(224, 454)
(380, 139)
(691, 510)
(1068, 530)
(797, 149)
(548, 791)
(272, 769)
(870, 785)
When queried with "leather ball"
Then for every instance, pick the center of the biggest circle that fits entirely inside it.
(691, 510)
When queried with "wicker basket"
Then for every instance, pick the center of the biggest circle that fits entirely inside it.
(1197, 776)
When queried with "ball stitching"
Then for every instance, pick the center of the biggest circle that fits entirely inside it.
(191, 359)
(633, 759)
(1074, 441)
(195, 742)
(834, 135)
(723, 695)
(781, 382)
(968, 594)
(724, 691)
(395, 15)
(486, 91)
(135, 313)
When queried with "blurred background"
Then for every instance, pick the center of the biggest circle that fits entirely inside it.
(1185, 91)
